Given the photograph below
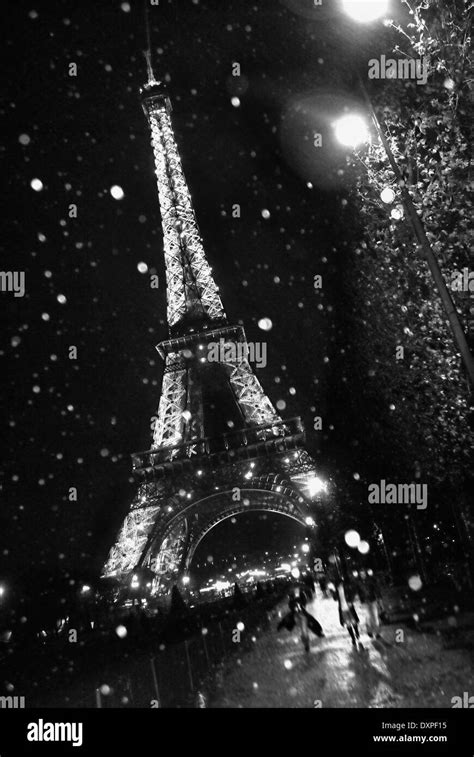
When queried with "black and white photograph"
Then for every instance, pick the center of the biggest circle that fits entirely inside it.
(237, 290)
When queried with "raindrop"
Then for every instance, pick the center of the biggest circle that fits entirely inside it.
(415, 583)
(265, 324)
(117, 192)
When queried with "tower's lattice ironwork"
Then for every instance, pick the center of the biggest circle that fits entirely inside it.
(202, 467)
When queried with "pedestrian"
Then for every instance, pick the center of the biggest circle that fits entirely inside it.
(323, 584)
(309, 585)
(299, 616)
(371, 595)
(348, 617)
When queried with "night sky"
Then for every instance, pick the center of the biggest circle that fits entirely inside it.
(74, 422)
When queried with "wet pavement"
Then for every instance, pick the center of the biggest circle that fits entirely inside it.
(406, 668)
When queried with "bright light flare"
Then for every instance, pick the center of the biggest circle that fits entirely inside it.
(365, 11)
(351, 130)
(305, 548)
(316, 485)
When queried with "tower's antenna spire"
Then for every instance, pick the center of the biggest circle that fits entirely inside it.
(151, 76)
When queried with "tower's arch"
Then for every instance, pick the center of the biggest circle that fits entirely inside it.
(172, 548)
(224, 515)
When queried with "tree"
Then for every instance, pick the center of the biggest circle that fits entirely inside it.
(405, 363)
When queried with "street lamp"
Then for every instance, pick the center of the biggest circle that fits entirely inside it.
(351, 130)
(365, 11)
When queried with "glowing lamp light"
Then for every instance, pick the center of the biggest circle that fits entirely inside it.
(351, 130)
(186, 580)
(364, 547)
(316, 485)
(85, 589)
(305, 548)
(365, 11)
(135, 582)
(387, 195)
(295, 572)
(352, 539)
(2, 591)
(309, 521)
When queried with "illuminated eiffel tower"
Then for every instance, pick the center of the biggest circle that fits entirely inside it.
(219, 446)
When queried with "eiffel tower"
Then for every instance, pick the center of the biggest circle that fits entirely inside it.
(219, 446)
